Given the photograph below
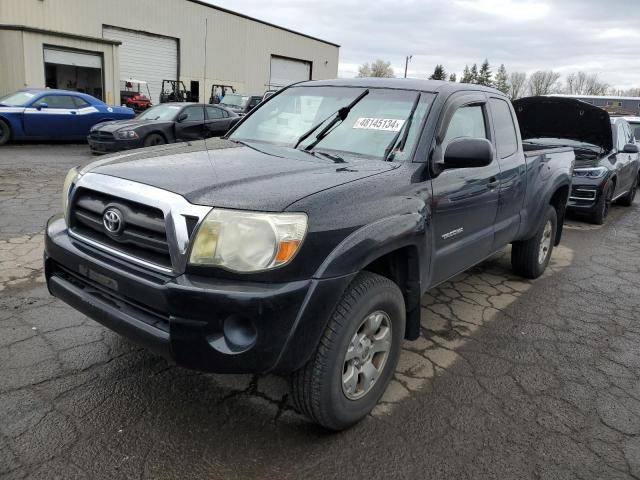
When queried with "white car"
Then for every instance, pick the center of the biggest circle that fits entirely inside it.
(635, 128)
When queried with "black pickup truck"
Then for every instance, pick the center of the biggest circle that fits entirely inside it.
(303, 242)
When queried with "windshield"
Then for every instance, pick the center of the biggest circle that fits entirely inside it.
(166, 113)
(234, 100)
(18, 99)
(369, 128)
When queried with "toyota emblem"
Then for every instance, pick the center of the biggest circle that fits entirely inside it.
(112, 221)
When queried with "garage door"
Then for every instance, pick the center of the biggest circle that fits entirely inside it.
(146, 57)
(285, 71)
(73, 70)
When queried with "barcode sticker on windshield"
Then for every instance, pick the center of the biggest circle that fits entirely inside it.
(385, 124)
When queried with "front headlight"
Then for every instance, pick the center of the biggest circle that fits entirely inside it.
(126, 135)
(596, 172)
(248, 242)
(69, 180)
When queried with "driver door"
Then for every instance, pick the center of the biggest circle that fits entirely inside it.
(465, 201)
(52, 116)
(191, 127)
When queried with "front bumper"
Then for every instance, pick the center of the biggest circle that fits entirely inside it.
(199, 322)
(115, 145)
(585, 194)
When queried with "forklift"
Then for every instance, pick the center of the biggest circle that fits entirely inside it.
(219, 91)
(174, 91)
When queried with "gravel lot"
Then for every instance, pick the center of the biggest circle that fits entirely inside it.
(511, 378)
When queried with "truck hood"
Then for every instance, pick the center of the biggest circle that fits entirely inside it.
(221, 173)
(558, 117)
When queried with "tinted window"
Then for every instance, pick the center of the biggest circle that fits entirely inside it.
(466, 122)
(81, 103)
(194, 114)
(506, 137)
(57, 101)
(214, 113)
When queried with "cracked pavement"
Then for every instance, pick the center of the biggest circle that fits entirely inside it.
(510, 379)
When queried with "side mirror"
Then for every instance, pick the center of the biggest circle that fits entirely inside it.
(182, 117)
(631, 148)
(42, 105)
(468, 153)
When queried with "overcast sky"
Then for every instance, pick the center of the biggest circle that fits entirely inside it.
(596, 36)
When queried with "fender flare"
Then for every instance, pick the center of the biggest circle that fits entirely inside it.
(371, 242)
(532, 219)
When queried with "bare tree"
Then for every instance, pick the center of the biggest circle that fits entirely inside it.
(544, 82)
(517, 85)
(631, 92)
(379, 68)
(582, 83)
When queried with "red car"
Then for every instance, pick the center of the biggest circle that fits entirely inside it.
(138, 102)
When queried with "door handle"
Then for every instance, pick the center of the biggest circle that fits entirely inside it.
(73, 112)
(493, 183)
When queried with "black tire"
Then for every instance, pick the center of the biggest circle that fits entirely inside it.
(527, 258)
(627, 200)
(317, 388)
(599, 216)
(154, 139)
(5, 132)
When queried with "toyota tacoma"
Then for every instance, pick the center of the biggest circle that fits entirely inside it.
(303, 241)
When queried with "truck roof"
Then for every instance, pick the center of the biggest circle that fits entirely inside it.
(434, 86)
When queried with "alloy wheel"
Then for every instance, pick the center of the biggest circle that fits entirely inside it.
(366, 356)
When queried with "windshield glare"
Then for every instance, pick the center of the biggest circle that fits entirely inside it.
(18, 99)
(160, 112)
(372, 124)
(233, 100)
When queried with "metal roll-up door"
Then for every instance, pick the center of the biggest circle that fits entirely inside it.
(285, 71)
(146, 57)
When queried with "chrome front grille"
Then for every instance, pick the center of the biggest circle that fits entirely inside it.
(156, 228)
(143, 234)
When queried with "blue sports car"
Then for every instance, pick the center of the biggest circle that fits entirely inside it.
(38, 114)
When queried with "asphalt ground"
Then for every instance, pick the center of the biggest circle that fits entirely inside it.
(511, 378)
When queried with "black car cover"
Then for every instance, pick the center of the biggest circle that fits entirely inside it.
(559, 117)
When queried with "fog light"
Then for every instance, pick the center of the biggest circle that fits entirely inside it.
(239, 334)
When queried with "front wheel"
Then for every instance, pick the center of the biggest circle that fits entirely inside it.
(599, 216)
(154, 139)
(530, 258)
(356, 357)
(5, 132)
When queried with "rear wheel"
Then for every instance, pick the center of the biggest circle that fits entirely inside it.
(154, 139)
(604, 204)
(531, 257)
(5, 132)
(627, 200)
(356, 357)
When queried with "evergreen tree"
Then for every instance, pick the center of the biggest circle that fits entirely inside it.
(438, 73)
(502, 80)
(453, 77)
(485, 75)
(474, 74)
(466, 75)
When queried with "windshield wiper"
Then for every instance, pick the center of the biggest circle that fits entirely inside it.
(389, 152)
(339, 116)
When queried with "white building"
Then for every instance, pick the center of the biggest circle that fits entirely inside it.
(92, 45)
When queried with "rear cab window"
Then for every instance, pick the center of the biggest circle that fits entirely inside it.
(505, 128)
